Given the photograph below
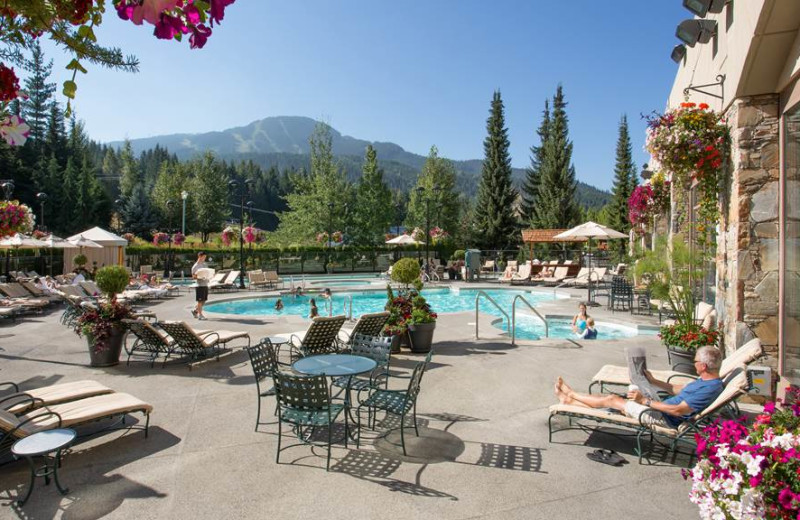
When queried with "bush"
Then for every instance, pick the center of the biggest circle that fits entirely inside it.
(405, 271)
(80, 260)
(459, 254)
(112, 279)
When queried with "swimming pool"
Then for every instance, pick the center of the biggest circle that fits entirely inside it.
(530, 327)
(440, 299)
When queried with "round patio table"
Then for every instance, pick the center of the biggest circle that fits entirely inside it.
(334, 365)
(41, 444)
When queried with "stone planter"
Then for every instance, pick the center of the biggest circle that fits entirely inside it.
(421, 336)
(681, 360)
(108, 356)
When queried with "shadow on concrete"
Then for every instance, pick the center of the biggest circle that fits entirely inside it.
(46, 361)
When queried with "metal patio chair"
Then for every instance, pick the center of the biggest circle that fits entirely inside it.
(265, 364)
(373, 347)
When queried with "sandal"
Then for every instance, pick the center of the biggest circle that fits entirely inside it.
(609, 457)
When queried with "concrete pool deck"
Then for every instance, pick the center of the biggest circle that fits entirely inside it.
(483, 450)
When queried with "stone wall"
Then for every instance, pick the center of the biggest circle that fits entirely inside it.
(748, 242)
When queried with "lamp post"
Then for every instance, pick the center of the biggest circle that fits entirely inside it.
(184, 196)
(41, 197)
(8, 188)
(422, 192)
(245, 189)
(167, 261)
(249, 205)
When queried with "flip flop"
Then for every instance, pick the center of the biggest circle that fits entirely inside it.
(611, 454)
(606, 457)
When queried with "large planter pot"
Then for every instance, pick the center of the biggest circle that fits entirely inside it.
(681, 360)
(108, 356)
(421, 336)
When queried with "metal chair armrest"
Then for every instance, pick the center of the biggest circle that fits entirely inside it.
(20, 398)
(15, 386)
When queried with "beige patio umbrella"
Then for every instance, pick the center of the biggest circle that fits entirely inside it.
(81, 242)
(590, 230)
(18, 241)
(404, 240)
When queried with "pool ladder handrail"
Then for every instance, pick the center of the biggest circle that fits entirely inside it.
(477, 308)
(514, 318)
(348, 307)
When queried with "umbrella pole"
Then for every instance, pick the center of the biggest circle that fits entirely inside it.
(8, 265)
(591, 301)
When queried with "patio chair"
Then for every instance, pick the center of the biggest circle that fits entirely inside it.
(736, 385)
(23, 401)
(148, 339)
(305, 403)
(372, 347)
(558, 276)
(265, 364)
(368, 325)
(621, 294)
(523, 275)
(273, 279)
(256, 280)
(38, 293)
(322, 337)
(199, 344)
(396, 402)
(488, 266)
(70, 415)
(20, 296)
(615, 375)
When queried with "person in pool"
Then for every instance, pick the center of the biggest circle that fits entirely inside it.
(590, 332)
(326, 293)
(279, 305)
(579, 321)
(313, 312)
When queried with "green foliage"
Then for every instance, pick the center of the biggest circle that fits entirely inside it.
(459, 254)
(530, 186)
(443, 204)
(79, 260)
(130, 175)
(137, 214)
(494, 210)
(36, 109)
(405, 271)
(373, 207)
(624, 182)
(210, 195)
(112, 279)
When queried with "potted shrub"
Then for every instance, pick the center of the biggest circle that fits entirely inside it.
(421, 324)
(405, 271)
(399, 308)
(682, 340)
(410, 317)
(80, 260)
(102, 323)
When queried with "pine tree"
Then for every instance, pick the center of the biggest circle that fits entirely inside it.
(36, 108)
(55, 144)
(130, 176)
(556, 206)
(494, 211)
(624, 180)
(137, 213)
(530, 186)
(373, 214)
(209, 192)
(437, 172)
(70, 189)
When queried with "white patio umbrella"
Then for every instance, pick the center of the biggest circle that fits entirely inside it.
(80, 241)
(19, 241)
(590, 230)
(54, 242)
(403, 240)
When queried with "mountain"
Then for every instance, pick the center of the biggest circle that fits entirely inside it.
(283, 142)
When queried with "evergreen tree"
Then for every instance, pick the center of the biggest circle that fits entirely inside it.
(130, 176)
(70, 189)
(137, 214)
(530, 186)
(373, 214)
(624, 180)
(555, 205)
(55, 144)
(35, 109)
(54, 185)
(494, 211)
(440, 173)
(172, 180)
(209, 193)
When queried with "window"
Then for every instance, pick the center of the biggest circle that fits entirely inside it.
(790, 342)
(728, 15)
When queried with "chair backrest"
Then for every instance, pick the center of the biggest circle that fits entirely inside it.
(620, 285)
(145, 269)
(231, 278)
(301, 392)
(72, 290)
(416, 378)
(263, 359)
(31, 288)
(271, 276)
(219, 277)
(13, 290)
(513, 264)
(736, 384)
(489, 264)
(90, 287)
(147, 333)
(560, 273)
(181, 333)
(370, 324)
(741, 357)
(583, 273)
(373, 347)
(595, 275)
(567, 262)
(321, 336)
(524, 271)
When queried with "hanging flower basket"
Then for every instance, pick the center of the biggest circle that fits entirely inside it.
(439, 235)
(227, 236)
(130, 237)
(418, 235)
(178, 238)
(160, 238)
(322, 237)
(337, 237)
(15, 218)
(250, 234)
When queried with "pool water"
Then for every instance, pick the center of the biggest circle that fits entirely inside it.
(531, 327)
(440, 300)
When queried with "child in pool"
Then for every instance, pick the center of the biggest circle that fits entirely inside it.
(279, 305)
(314, 312)
(590, 332)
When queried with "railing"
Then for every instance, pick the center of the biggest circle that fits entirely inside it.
(514, 318)
(348, 307)
(477, 301)
(329, 306)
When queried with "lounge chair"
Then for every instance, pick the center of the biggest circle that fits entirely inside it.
(322, 337)
(273, 279)
(595, 274)
(256, 280)
(508, 274)
(199, 344)
(151, 340)
(69, 415)
(18, 293)
(614, 375)
(368, 325)
(23, 401)
(488, 266)
(736, 385)
(523, 275)
(39, 293)
(558, 276)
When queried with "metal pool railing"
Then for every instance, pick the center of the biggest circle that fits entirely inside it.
(514, 318)
(477, 306)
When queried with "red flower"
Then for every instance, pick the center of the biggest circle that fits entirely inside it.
(703, 106)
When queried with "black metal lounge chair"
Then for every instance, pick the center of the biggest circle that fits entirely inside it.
(372, 347)
(199, 344)
(368, 325)
(320, 338)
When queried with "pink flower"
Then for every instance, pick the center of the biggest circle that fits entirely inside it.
(218, 10)
(769, 408)
(14, 130)
(200, 34)
(151, 10)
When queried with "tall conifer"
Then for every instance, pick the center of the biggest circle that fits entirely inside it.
(624, 179)
(36, 108)
(373, 214)
(494, 210)
(530, 186)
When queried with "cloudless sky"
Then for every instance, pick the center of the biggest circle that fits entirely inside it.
(416, 72)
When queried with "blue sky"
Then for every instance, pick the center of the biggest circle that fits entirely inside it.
(416, 73)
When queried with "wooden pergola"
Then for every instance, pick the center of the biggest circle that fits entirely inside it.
(547, 236)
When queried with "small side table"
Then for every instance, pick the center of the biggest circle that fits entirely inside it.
(41, 444)
(278, 342)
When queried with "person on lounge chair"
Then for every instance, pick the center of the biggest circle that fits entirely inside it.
(685, 401)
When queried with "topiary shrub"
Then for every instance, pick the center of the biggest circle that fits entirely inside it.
(405, 271)
(80, 260)
(112, 279)
(459, 254)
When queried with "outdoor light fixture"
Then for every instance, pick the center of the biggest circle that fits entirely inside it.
(702, 7)
(646, 173)
(695, 31)
(678, 53)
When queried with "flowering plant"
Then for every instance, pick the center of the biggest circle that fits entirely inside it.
(130, 237)
(178, 238)
(250, 234)
(15, 218)
(38, 234)
(322, 237)
(750, 473)
(688, 336)
(438, 234)
(98, 323)
(227, 236)
(418, 235)
(160, 238)
(337, 237)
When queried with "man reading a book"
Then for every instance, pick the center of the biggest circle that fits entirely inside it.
(686, 400)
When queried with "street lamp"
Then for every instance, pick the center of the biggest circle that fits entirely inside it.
(422, 192)
(245, 189)
(41, 197)
(167, 261)
(8, 188)
(184, 196)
